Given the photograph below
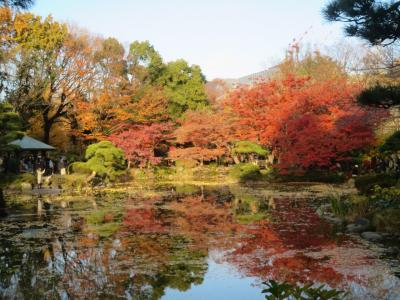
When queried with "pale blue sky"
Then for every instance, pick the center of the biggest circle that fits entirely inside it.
(227, 38)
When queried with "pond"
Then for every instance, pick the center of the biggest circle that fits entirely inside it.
(183, 242)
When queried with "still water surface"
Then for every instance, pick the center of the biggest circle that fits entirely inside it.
(183, 243)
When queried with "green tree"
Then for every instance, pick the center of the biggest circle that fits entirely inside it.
(372, 20)
(379, 95)
(104, 159)
(391, 144)
(246, 150)
(184, 87)
(145, 63)
(10, 127)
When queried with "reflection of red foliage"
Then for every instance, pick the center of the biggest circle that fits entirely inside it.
(266, 250)
(203, 220)
(296, 245)
(296, 222)
(143, 220)
(302, 268)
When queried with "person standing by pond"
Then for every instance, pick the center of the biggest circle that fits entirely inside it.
(50, 166)
(63, 165)
(39, 176)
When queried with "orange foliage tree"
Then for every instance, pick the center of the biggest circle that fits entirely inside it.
(309, 124)
(61, 61)
(204, 136)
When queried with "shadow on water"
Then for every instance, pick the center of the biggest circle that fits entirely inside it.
(180, 242)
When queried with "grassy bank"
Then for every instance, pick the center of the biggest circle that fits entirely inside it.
(206, 175)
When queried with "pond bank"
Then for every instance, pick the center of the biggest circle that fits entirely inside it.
(303, 188)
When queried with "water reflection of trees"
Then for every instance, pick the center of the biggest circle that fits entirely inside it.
(81, 263)
(266, 236)
(163, 241)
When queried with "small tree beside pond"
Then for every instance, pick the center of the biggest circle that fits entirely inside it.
(248, 151)
(102, 159)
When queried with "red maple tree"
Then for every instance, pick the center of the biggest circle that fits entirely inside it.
(309, 124)
(140, 142)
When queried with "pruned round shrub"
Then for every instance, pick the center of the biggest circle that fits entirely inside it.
(392, 143)
(245, 171)
(103, 158)
(247, 147)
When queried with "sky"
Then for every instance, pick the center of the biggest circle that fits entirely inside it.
(227, 38)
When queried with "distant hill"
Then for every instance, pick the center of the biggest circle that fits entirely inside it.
(252, 78)
(218, 87)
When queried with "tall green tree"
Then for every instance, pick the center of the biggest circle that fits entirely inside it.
(372, 20)
(145, 63)
(184, 87)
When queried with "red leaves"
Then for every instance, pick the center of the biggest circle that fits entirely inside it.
(310, 124)
(140, 142)
(207, 133)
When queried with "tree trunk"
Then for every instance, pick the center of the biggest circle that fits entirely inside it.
(46, 133)
(47, 124)
(271, 158)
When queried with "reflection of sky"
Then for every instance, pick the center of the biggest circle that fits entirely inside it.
(220, 282)
(227, 38)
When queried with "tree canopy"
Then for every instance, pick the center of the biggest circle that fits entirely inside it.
(372, 20)
(17, 4)
(52, 70)
(184, 87)
(309, 124)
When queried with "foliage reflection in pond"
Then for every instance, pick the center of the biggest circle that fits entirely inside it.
(150, 242)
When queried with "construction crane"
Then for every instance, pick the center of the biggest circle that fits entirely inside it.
(294, 46)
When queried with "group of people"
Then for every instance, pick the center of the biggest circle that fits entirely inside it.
(31, 164)
(43, 167)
